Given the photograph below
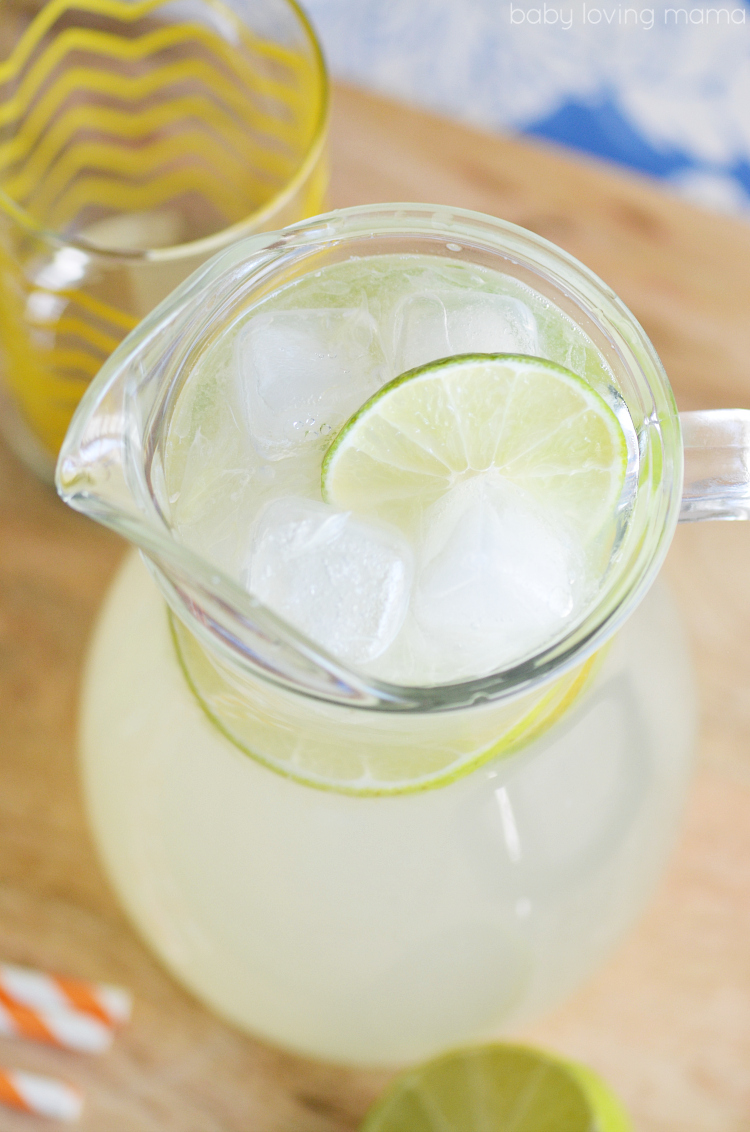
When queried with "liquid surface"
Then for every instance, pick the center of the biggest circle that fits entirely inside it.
(494, 570)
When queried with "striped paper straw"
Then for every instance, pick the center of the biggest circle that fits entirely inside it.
(65, 1028)
(41, 1096)
(43, 992)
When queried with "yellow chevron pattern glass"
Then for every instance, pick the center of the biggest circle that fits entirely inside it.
(137, 137)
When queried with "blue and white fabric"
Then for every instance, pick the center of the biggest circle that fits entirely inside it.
(663, 88)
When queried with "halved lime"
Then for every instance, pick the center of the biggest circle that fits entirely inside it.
(498, 1088)
(538, 424)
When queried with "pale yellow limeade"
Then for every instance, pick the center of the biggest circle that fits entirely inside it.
(346, 889)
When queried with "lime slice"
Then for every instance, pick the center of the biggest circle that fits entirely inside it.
(352, 759)
(538, 424)
(498, 1088)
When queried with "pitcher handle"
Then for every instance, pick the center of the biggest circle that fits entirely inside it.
(717, 464)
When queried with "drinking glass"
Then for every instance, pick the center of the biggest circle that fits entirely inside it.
(137, 138)
(246, 790)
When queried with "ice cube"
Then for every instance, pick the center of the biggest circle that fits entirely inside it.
(437, 324)
(302, 373)
(343, 582)
(497, 578)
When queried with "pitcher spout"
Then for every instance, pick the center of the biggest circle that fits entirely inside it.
(111, 468)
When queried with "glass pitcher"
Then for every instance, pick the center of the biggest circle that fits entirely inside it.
(353, 869)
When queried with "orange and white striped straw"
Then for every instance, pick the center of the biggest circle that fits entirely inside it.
(41, 991)
(40, 1096)
(63, 1012)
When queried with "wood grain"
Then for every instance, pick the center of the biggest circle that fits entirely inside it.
(668, 1020)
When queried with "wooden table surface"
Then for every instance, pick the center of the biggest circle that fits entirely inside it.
(668, 1020)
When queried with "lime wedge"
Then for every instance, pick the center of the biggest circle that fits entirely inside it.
(498, 1088)
(538, 424)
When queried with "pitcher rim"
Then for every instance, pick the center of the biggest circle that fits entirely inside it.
(346, 685)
